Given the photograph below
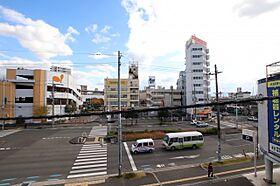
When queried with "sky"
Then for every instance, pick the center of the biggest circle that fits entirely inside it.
(243, 36)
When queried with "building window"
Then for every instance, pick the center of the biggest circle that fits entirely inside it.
(197, 70)
(196, 56)
(24, 100)
(197, 63)
(196, 49)
(197, 85)
(197, 77)
(23, 87)
(198, 92)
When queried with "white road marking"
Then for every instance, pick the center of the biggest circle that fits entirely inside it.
(94, 145)
(90, 166)
(90, 162)
(130, 157)
(101, 155)
(188, 157)
(87, 170)
(89, 174)
(93, 151)
(178, 157)
(232, 139)
(91, 159)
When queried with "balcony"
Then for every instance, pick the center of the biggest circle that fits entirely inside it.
(207, 57)
(207, 50)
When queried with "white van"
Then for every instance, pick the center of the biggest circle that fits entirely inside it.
(180, 140)
(143, 145)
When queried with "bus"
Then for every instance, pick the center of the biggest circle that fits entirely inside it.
(180, 140)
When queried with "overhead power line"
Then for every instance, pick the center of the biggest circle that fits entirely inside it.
(248, 100)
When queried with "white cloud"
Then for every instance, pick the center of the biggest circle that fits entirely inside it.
(105, 29)
(239, 46)
(98, 38)
(95, 75)
(69, 34)
(17, 62)
(101, 36)
(91, 29)
(252, 8)
(37, 36)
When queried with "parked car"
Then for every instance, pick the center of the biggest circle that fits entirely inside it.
(252, 118)
(194, 122)
(202, 124)
(143, 145)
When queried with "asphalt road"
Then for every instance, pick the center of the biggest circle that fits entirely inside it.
(163, 158)
(38, 154)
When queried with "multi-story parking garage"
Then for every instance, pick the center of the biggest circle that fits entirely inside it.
(27, 92)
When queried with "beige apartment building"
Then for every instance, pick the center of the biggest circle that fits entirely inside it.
(129, 91)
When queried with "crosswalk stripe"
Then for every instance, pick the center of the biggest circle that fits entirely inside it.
(93, 149)
(88, 174)
(94, 145)
(91, 159)
(92, 152)
(87, 170)
(101, 155)
(89, 166)
(86, 151)
(90, 162)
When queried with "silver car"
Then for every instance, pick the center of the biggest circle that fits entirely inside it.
(201, 124)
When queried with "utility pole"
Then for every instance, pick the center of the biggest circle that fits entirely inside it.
(194, 92)
(120, 116)
(236, 114)
(52, 102)
(218, 115)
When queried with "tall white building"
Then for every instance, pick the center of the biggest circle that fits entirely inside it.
(197, 67)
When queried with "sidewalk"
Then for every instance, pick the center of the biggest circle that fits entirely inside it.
(190, 175)
(4, 133)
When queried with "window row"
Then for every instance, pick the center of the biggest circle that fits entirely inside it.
(189, 138)
(196, 49)
(64, 90)
(196, 56)
(24, 100)
(197, 63)
(197, 70)
(197, 77)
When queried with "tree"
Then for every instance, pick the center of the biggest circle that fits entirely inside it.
(97, 103)
(162, 114)
(131, 116)
(70, 107)
(41, 111)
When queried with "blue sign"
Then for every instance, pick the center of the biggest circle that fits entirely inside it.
(273, 89)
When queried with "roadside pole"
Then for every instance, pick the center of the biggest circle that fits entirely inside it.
(255, 153)
(218, 115)
(52, 102)
(120, 116)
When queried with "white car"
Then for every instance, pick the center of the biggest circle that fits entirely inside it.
(202, 124)
(143, 145)
(194, 122)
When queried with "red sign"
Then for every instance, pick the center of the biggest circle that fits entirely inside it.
(198, 41)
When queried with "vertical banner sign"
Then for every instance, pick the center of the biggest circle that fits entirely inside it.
(273, 89)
